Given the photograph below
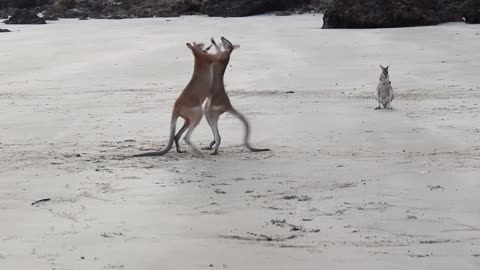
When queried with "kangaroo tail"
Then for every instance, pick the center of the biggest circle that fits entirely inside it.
(247, 132)
(173, 126)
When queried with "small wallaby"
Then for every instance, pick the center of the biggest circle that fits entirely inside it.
(384, 93)
(189, 104)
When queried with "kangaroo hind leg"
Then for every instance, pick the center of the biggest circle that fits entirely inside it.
(208, 116)
(193, 123)
(179, 135)
(216, 133)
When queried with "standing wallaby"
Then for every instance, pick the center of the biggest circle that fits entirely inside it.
(189, 104)
(384, 93)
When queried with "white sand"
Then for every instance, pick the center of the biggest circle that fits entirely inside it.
(386, 189)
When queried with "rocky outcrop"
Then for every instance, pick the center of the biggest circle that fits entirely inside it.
(381, 13)
(119, 9)
(472, 11)
(6, 12)
(318, 5)
(50, 18)
(240, 8)
(24, 16)
(339, 14)
(451, 10)
(22, 3)
(4, 30)
(169, 8)
(83, 17)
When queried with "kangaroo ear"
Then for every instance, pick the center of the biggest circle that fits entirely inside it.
(382, 67)
(189, 45)
(208, 48)
(213, 41)
(226, 41)
(387, 67)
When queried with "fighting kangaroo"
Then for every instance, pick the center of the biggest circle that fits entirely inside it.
(189, 104)
(384, 93)
(218, 102)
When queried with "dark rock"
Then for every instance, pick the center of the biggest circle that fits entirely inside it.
(21, 3)
(73, 13)
(192, 13)
(163, 13)
(187, 6)
(6, 12)
(120, 9)
(381, 13)
(63, 5)
(116, 17)
(319, 5)
(83, 17)
(63, 12)
(4, 31)
(23, 16)
(472, 11)
(86, 3)
(240, 8)
(50, 18)
(283, 13)
(451, 10)
(169, 8)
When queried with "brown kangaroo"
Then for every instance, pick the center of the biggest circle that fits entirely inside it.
(189, 104)
(218, 102)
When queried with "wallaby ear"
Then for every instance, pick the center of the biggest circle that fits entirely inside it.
(208, 48)
(387, 67)
(213, 41)
(189, 45)
(228, 44)
(226, 41)
(382, 67)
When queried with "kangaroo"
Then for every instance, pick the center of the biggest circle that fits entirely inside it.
(218, 102)
(189, 104)
(384, 93)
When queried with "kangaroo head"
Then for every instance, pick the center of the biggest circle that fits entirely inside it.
(384, 72)
(200, 52)
(224, 50)
(198, 46)
(228, 45)
(207, 49)
(218, 48)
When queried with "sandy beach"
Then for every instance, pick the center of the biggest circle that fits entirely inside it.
(345, 187)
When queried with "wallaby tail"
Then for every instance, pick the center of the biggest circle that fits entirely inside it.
(173, 127)
(247, 132)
